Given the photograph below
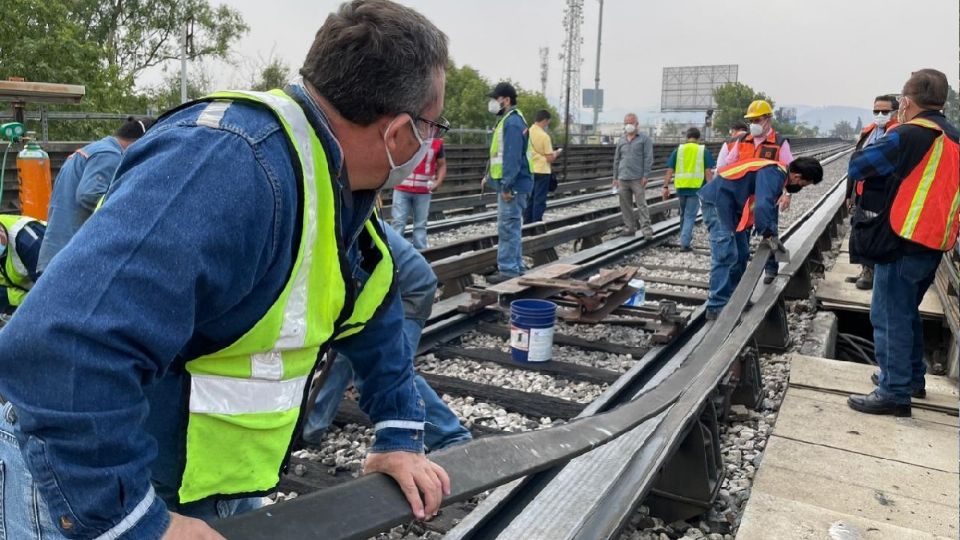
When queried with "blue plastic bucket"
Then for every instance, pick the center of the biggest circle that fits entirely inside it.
(531, 330)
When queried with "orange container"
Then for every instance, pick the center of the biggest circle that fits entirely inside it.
(36, 185)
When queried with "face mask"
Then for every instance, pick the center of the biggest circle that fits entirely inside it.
(881, 119)
(630, 128)
(756, 130)
(793, 188)
(493, 106)
(399, 173)
(901, 111)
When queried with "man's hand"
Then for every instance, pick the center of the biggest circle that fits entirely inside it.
(850, 203)
(643, 182)
(507, 196)
(438, 184)
(784, 202)
(186, 528)
(415, 474)
(666, 192)
(483, 183)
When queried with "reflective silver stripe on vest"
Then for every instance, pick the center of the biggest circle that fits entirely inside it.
(213, 113)
(293, 331)
(227, 395)
(12, 248)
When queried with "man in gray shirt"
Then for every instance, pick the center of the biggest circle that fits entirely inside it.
(632, 162)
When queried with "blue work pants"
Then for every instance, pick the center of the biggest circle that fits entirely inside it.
(408, 205)
(689, 206)
(729, 253)
(898, 289)
(509, 228)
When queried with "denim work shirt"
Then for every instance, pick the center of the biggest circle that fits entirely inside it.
(82, 180)
(191, 248)
(729, 196)
(516, 169)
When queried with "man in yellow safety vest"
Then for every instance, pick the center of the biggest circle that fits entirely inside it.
(160, 367)
(689, 166)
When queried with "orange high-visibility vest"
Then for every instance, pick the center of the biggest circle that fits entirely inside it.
(926, 206)
(863, 137)
(768, 149)
(738, 170)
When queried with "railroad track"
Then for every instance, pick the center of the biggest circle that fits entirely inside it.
(596, 369)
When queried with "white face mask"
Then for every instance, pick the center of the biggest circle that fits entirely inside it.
(399, 173)
(630, 128)
(881, 119)
(493, 106)
(756, 130)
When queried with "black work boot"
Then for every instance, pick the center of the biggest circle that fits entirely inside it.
(920, 393)
(865, 281)
(768, 278)
(874, 404)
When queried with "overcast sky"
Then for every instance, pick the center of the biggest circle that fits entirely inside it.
(801, 52)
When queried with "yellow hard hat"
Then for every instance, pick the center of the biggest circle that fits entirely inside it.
(757, 109)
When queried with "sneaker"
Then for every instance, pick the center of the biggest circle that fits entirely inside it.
(920, 393)
(686, 248)
(873, 403)
(712, 314)
(865, 280)
(648, 233)
(499, 277)
(768, 278)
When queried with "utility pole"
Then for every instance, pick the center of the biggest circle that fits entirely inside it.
(573, 19)
(544, 67)
(183, 64)
(596, 80)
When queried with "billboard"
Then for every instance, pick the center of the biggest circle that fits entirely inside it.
(690, 88)
(590, 96)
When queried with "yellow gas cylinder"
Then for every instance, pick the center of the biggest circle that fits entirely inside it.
(33, 167)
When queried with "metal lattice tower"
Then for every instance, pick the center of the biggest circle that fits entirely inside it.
(572, 60)
(544, 68)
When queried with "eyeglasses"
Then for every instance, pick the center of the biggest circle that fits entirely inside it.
(431, 129)
(880, 111)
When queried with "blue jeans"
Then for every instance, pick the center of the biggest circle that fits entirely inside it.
(417, 285)
(442, 427)
(415, 205)
(898, 289)
(24, 514)
(509, 228)
(689, 206)
(538, 199)
(729, 253)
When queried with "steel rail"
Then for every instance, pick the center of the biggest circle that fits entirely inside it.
(342, 512)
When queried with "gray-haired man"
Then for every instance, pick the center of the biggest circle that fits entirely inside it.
(632, 162)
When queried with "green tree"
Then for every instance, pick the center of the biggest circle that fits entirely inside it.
(531, 102)
(166, 95)
(732, 102)
(804, 130)
(465, 99)
(140, 34)
(843, 130)
(105, 46)
(952, 110)
(275, 74)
